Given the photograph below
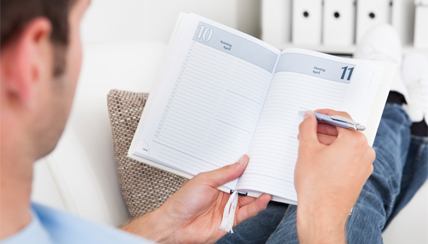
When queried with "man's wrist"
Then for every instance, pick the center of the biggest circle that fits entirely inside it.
(154, 226)
(321, 225)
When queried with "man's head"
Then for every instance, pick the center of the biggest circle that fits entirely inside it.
(40, 63)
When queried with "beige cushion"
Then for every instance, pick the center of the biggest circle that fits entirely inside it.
(144, 188)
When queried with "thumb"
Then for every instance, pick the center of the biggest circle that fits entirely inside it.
(227, 173)
(308, 129)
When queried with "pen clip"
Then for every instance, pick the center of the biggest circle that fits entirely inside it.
(350, 122)
(343, 119)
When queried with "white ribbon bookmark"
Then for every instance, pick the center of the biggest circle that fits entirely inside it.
(229, 213)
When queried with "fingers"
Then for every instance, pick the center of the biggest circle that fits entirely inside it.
(327, 129)
(326, 139)
(308, 129)
(351, 137)
(245, 200)
(330, 129)
(252, 209)
(225, 174)
(326, 133)
(342, 133)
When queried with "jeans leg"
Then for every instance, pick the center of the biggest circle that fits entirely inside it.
(259, 228)
(377, 198)
(286, 232)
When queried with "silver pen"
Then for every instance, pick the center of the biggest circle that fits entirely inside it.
(339, 121)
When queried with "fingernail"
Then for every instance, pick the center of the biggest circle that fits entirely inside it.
(241, 159)
(307, 113)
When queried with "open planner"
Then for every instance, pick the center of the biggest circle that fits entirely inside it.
(221, 93)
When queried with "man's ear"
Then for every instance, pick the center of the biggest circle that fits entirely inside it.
(26, 60)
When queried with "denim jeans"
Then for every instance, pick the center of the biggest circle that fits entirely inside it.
(400, 169)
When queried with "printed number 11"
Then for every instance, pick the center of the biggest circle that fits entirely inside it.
(344, 72)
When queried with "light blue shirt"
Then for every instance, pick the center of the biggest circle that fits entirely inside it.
(53, 226)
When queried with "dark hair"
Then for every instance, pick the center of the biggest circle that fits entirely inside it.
(16, 14)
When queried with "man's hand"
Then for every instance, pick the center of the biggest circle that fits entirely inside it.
(194, 213)
(332, 166)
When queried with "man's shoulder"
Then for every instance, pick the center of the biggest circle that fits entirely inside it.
(63, 227)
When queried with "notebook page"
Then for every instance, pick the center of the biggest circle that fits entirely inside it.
(207, 107)
(303, 81)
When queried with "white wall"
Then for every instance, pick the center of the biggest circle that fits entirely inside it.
(144, 20)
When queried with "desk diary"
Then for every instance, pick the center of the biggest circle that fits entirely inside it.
(221, 93)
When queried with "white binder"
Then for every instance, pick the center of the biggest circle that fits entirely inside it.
(421, 27)
(371, 13)
(307, 22)
(276, 22)
(339, 22)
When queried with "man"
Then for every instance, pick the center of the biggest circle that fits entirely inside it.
(40, 63)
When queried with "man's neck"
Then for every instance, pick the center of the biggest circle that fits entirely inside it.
(15, 179)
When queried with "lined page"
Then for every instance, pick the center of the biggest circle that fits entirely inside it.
(216, 97)
(301, 83)
(212, 111)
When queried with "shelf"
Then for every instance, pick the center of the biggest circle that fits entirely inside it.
(410, 49)
(345, 50)
(321, 48)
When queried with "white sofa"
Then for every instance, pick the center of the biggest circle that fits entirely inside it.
(80, 175)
